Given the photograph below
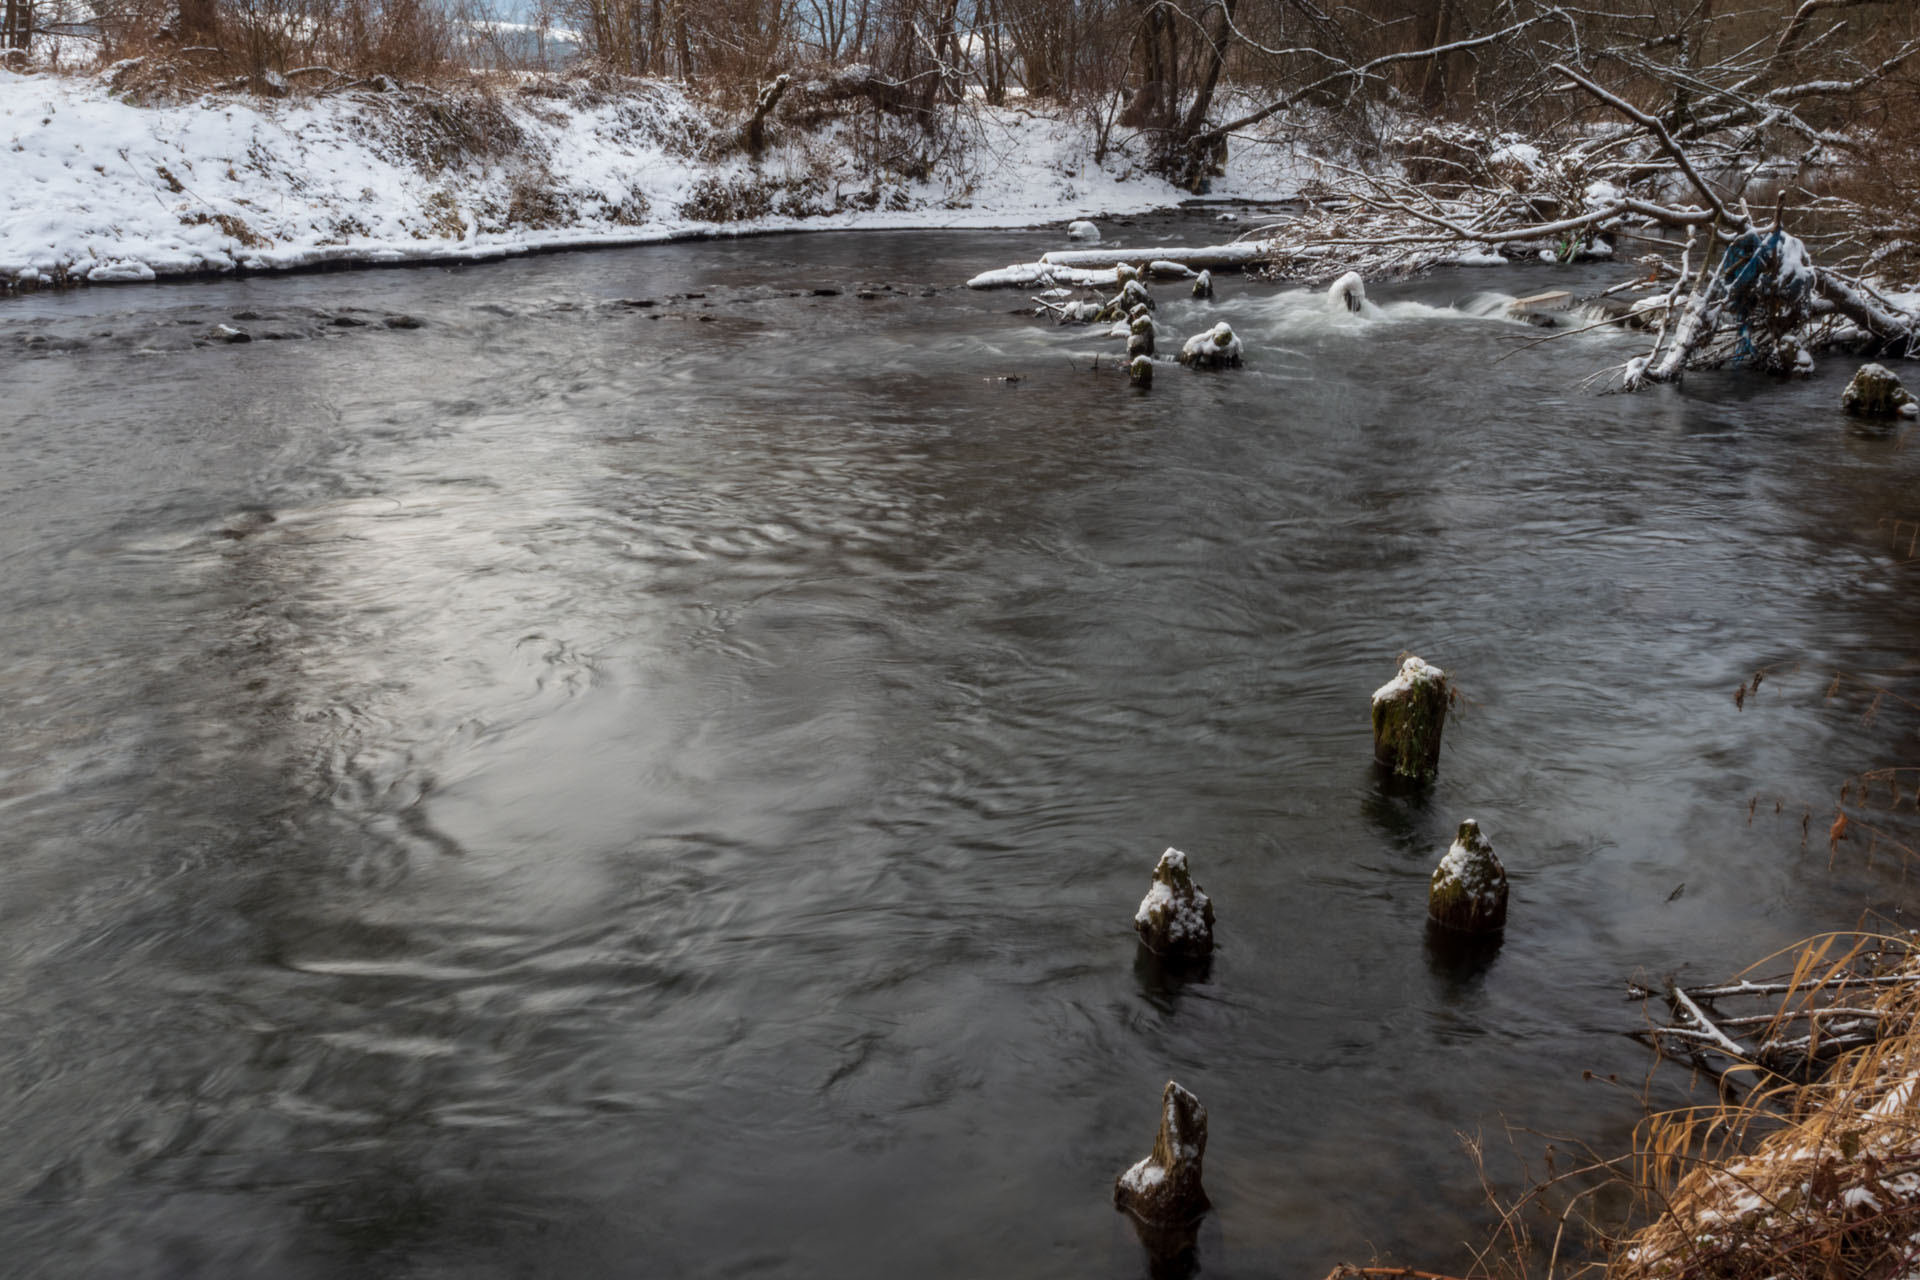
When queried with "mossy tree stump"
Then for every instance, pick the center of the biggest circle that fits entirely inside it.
(1875, 392)
(1140, 369)
(1468, 892)
(1140, 337)
(1409, 713)
(1164, 1189)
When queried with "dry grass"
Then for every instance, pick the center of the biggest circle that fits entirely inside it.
(1816, 1179)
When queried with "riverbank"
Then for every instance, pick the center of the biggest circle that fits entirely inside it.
(115, 182)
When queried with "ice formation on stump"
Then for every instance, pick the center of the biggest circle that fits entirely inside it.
(1875, 392)
(1164, 1189)
(1469, 887)
(1409, 712)
(1348, 293)
(1175, 918)
(1080, 312)
(1140, 337)
(1140, 369)
(1217, 348)
(1203, 285)
(1083, 231)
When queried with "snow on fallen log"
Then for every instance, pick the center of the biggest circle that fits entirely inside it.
(1095, 267)
(1027, 275)
(1238, 254)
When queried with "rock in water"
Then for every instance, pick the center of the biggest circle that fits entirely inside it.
(1175, 918)
(1348, 293)
(1083, 231)
(1140, 369)
(1164, 1189)
(1409, 712)
(1469, 887)
(1875, 392)
(1203, 285)
(1217, 348)
(1140, 338)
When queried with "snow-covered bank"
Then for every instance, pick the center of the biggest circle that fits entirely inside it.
(99, 189)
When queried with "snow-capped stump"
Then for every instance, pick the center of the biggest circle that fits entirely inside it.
(1348, 293)
(1176, 917)
(1875, 392)
(1134, 294)
(1203, 285)
(1083, 231)
(1217, 348)
(1140, 370)
(1409, 712)
(1140, 337)
(1469, 887)
(1164, 1189)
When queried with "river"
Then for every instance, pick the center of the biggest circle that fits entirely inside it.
(666, 791)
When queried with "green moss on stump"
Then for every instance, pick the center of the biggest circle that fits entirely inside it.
(1409, 714)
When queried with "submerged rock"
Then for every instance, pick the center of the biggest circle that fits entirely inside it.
(1164, 1189)
(1217, 348)
(1176, 917)
(1875, 392)
(1469, 887)
(1348, 293)
(227, 333)
(1203, 285)
(1409, 713)
(1140, 369)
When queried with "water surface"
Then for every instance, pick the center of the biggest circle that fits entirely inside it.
(666, 792)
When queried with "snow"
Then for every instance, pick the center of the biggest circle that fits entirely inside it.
(1348, 293)
(1521, 153)
(1083, 231)
(1478, 258)
(1413, 671)
(99, 188)
(1143, 1177)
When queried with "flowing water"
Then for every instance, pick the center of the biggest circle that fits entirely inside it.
(587, 789)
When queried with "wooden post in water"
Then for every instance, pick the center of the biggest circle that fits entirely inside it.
(1409, 713)
(1164, 1189)
(1468, 891)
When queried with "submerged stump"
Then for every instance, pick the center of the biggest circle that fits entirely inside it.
(1203, 285)
(1409, 712)
(1140, 337)
(1875, 392)
(1176, 917)
(1217, 348)
(1140, 369)
(1468, 892)
(1164, 1189)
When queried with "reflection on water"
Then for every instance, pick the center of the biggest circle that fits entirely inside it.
(667, 791)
